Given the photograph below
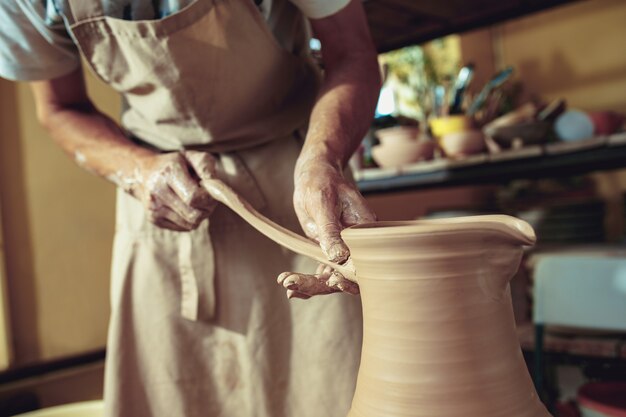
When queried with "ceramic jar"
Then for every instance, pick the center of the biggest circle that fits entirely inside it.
(401, 145)
(456, 136)
(439, 333)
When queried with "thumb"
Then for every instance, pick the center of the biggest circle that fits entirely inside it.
(329, 234)
(203, 163)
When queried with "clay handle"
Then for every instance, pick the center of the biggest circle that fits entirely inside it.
(284, 237)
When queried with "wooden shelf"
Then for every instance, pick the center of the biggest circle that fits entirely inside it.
(550, 161)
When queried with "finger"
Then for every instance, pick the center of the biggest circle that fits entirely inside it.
(329, 236)
(327, 219)
(354, 209)
(339, 282)
(306, 222)
(322, 274)
(295, 294)
(203, 163)
(186, 187)
(172, 200)
(164, 216)
(305, 284)
(326, 281)
(310, 229)
(181, 181)
(323, 271)
(166, 224)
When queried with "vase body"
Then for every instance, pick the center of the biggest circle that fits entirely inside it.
(439, 333)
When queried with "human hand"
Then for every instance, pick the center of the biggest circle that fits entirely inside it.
(168, 187)
(325, 281)
(325, 203)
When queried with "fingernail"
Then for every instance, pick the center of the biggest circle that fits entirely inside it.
(282, 277)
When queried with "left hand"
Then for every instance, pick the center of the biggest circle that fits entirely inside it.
(325, 203)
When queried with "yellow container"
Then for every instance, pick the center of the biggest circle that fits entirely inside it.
(441, 126)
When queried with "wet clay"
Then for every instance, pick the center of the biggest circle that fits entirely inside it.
(439, 333)
(288, 239)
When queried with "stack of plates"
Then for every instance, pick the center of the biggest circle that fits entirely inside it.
(573, 222)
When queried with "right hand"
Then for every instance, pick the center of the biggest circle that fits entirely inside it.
(325, 203)
(168, 185)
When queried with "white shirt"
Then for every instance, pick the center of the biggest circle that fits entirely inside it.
(35, 43)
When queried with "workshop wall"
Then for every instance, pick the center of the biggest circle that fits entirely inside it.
(57, 222)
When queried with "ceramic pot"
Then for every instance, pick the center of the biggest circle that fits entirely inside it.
(397, 134)
(450, 124)
(401, 145)
(396, 155)
(460, 144)
(439, 332)
(456, 137)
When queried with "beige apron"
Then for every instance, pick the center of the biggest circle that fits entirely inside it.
(199, 326)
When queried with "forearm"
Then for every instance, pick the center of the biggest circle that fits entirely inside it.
(94, 141)
(344, 109)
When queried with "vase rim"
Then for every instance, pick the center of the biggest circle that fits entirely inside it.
(517, 229)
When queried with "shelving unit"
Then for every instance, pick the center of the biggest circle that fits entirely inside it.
(549, 161)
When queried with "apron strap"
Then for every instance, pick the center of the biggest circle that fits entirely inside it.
(188, 278)
(81, 10)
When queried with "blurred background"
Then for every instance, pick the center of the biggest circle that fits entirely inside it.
(486, 107)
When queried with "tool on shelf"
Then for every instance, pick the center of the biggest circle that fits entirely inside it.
(495, 82)
(462, 82)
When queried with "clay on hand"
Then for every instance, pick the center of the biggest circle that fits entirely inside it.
(325, 281)
(325, 203)
(168, 187)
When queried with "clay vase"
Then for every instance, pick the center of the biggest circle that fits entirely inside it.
(401, 145)
(439, 333)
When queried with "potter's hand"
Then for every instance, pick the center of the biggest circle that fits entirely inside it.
(325, 281)
(325, 203)
(168, 186)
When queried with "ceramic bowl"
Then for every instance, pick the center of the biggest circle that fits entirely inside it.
(397, 134)
(530, 133)
(402, 153)
(441, 126)
(463, 143)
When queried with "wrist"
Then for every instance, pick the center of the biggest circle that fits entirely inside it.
(314, 157)
(128, 167)
(316, 165)
(142, 158)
